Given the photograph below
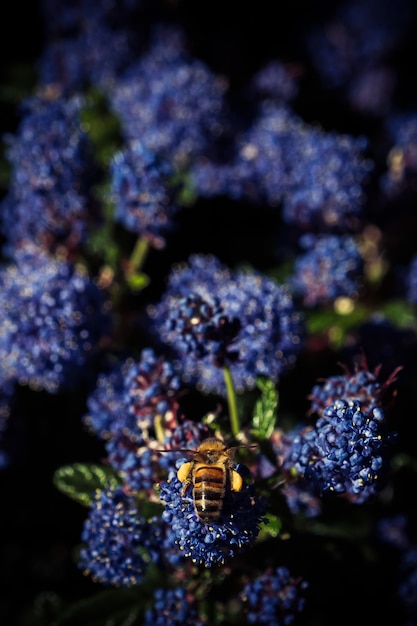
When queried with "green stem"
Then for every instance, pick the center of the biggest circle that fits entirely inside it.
(138, 256)
(158, 424)
(231, 399)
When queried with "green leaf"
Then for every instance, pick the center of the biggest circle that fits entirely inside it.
(400, 312)
(265, 411)
(271, 528)
(80, 481)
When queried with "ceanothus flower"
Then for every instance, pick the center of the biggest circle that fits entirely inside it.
(49, 201)
(173, 607)
(271, 328)
(141, 192)
(53, 317)
(317, 176)
(200, 327)
(274, 598)
(214, 543)
(134, 408)
(169, 101)
(362, 385)
(345, 452)
(331, 267)
(118, 542)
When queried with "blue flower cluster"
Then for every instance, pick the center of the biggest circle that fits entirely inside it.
(140, 190)
(275, 598)
(49, 201)
(169, 100)
(119, 544)
(346, 452)
(54, 321)
(199, 327)
(331, 267)
(172, 606)
(271, 327)
(317, 176)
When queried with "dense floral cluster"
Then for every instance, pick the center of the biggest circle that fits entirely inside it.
(172, 606)
(49, 200)
(318, 176)
(331, 267)
(168, 100)
(119, 543)
(274, 598)
(140, 192)
(53, 319)
(271, 328)
(345, 452)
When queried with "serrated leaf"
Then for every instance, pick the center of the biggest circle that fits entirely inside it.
(265, 411)
(81, 480)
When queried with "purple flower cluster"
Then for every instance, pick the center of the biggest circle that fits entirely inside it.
(169, 101)
(53, 320)
(275, 598)
(346, 452)
(142, 193)
(86, 43)
(331, 267)
(271, 327)
(199, 327)
(362, 385)
(318, 176)
(118, 542)
(173, 607)
(131, 406)
(49, 200)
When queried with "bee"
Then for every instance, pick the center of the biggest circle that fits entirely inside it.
(211, 475)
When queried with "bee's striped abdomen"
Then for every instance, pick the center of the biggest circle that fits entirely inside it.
(209, 488)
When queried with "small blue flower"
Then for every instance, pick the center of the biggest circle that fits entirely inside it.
(275, 598)
(213, 544)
